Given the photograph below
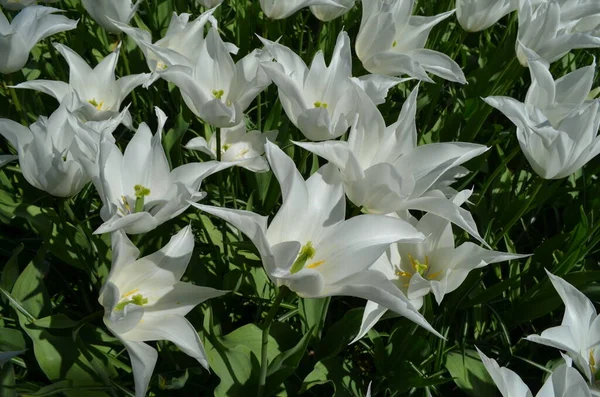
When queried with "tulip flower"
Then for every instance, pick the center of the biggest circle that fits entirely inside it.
(182, 41)
(238, 148)
(138, 190)
(391, 41)
(385, 171)
(209, 3)
(432, 265)
(556, 126)
(564, 381)
(214, 88)
(555, 27)
(478, 15)
(104, 12)
(310, 248)
(579, 333)
(49, 151)
(144, 300)
(279, 9)
(321, 101)
(20, 4)
(31, 25)
(328, 13)
(98, 95)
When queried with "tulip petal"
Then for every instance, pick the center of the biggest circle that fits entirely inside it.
(508, 382)
(372, 314)
(143, 360)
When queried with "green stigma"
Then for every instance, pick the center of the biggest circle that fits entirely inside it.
(394, 44)
(307, 252)
(323, 105)
(218, 94)
(138, 300)
(140, 193)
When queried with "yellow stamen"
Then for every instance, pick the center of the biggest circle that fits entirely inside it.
(127, 295)
(592, 361)
(402, 273)
(434, 275)
(315, 264)
(97, 105)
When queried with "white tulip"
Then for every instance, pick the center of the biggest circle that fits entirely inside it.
(138, 189)
(144, 300)
(98, 95)
(238, 148)
(391, 41)
(564, 381)
(478, 15)
(214, 88)
(31, 25)
(329, 13)
(579, 333)
(385, 171)
(557, 127)
(279, 9)
(49, 151)
(181, 44)
(7, 158)
(555, 27)
(321, 100)
(209, 3)
(432, 265)
(20, 4)
(309, 248)
(104, 11)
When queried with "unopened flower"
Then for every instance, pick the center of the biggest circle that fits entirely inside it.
(20, 4)
(328, 13)
(144, 300)
(98, 95)
(557, 126)
(279, 9)
(391, 41)
(238, 148)
(310, 248)
(104, 11)
(31, 25)
(138, 189)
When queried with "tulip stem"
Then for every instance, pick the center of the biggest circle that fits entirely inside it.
(264, 364)
(15, 98)
(221, 193)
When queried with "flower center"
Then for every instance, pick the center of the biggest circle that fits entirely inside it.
(140, 193)
(319, 104)
(96, 104)
(160, 65)
(136, 299)
(218, 93)
(418, 267)
(306, 253)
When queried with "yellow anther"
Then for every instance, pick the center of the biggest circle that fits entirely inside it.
(592, 361)
(315, 264)
(97, 105)
(419, 267)
(161, 65)
(433, 275)
(132, 292)
(126, 204)
(401, 273)
(218, 93)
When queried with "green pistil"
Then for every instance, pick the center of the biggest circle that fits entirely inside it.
(319, 104)
(218, 94)
(394, 44)
(140, 193)
(307, 252)
(138, 300)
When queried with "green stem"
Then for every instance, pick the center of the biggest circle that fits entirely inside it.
(15, 99)
(535, 190)
(265, 341)
(221, 194)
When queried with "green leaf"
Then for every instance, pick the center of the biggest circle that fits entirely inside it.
(10, 272)
(285, 364)
(67, 387)
(341, 333)
(58, 321)
(12, 340)
(470, 374)
(174, 383)
(339, 372)
(7, 380)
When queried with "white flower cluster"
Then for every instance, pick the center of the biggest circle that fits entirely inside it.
(385, 255)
